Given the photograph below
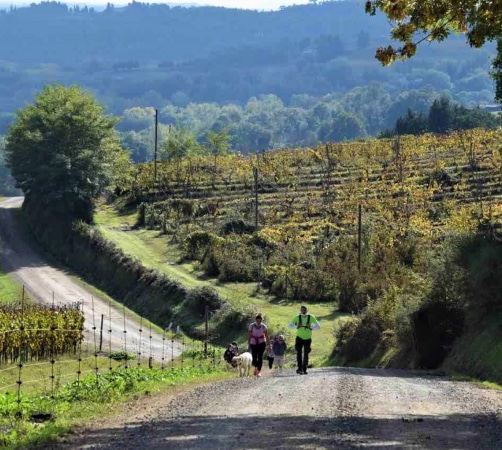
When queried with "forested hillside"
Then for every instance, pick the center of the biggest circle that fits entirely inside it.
(171, 58)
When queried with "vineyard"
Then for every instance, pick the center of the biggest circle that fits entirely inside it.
(36, 332)
(291, 218)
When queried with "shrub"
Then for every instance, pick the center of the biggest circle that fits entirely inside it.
(436, 325)
(359, 337)
(198, 298)
(232, 320)
(197, 244)
(481, 257)
(237, 226)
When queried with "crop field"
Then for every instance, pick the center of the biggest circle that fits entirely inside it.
(427, 184)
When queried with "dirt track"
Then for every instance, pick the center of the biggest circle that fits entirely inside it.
(48, 284)
(326, 409)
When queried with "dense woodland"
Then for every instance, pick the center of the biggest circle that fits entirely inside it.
(294, 77)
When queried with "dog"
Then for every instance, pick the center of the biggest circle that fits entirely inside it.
(231, 351)
(244, 362)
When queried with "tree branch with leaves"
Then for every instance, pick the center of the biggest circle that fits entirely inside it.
(415, 21)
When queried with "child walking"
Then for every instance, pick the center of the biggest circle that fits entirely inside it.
(270, 353)
(279, 349)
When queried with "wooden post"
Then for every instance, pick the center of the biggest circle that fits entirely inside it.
(101, 333)
(255, 173)
(155, 146)
(206, 337)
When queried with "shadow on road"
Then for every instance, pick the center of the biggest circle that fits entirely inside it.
(387, 373)
(460, 432)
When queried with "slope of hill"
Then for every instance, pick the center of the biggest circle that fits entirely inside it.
(294, 229)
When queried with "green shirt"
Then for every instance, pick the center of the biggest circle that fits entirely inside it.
(305, 332)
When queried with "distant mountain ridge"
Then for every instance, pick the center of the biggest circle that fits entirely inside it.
(56, 33)
(307, 57)
(123, 3)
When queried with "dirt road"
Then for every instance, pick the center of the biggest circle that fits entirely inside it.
(49, 284)
(326, 409)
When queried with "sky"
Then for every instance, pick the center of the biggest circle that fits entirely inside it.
(266, 5)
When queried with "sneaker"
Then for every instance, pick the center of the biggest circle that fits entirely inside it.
(299, 371)
(304, 372)
(258, 374)
(255, 371)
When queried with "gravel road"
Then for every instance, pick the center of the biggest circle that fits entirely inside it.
(48, 284)
(328, 408)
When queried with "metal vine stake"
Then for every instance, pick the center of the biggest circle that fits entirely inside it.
(139, 344)
(96, 369)
(53, 331)
(125, 340)
(110, 334)
(20, 365)
(163, 348)
(79, 370)
(172, 349)
(150, 359)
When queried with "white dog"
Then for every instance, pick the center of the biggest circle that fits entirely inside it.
(244, 362)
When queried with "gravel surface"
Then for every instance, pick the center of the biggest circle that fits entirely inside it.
(326, 409)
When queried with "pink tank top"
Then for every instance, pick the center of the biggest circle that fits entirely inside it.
(257, 333)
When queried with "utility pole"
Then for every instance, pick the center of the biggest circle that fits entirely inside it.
(255, 173)
(359, 232)
(155, 146)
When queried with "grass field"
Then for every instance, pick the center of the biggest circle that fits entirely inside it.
(76, 404)
(154, 251)
(9, 289)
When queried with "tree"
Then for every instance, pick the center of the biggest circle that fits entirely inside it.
(63, 152)
(413, 123)
(218, 143)
(179, 144)
(434, 20)
(497, 72)
(6, 181)
(440, 118)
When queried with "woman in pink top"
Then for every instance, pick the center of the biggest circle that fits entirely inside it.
(257, 339)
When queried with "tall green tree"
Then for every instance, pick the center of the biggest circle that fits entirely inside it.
(179, 143)
(440, 118)
(218, 143)
(6, 181)
(63, 152)
(497, 71)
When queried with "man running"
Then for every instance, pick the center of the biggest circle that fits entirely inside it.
(304, 324)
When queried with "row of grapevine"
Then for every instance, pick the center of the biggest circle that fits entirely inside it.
(32, 332)
(413, 191)
(303, 184)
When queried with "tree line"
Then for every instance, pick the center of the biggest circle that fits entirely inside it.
(180, 56)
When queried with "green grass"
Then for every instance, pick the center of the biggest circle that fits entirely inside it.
(484, 384)
(10, 290)
(155, 251)
(478, 354)
(36, 375)
(73, 404)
